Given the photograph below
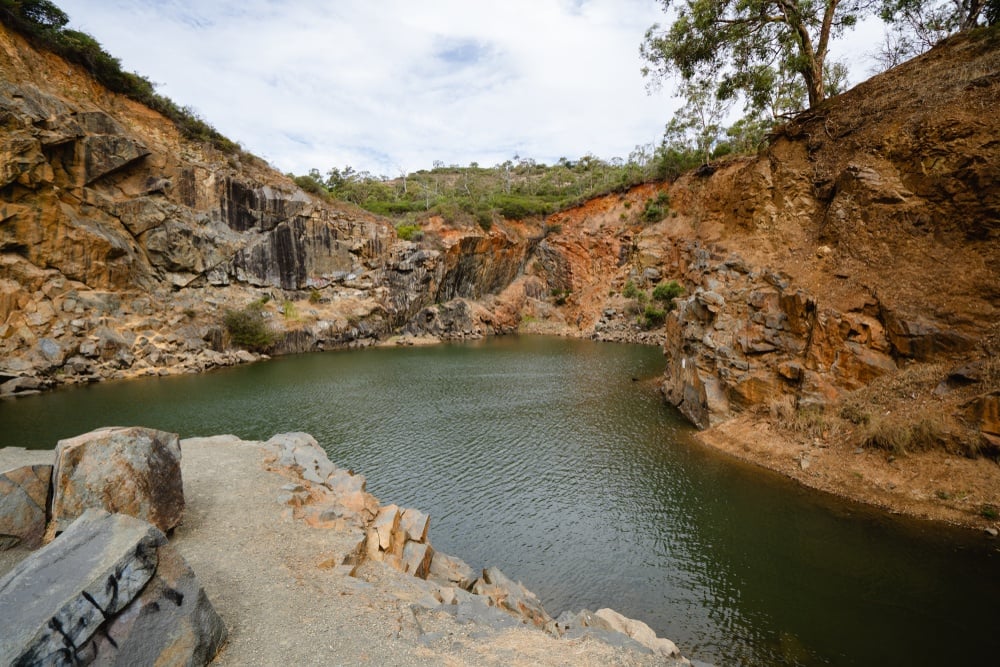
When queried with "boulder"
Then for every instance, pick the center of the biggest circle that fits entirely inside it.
(357, 505)
(513, 597)
(171, 622)
(109, 590)
(451, 571)
(386, 524)
(585, 624)
(24, 495)
(62, 593)
(134, 471)
(417, 558)
(414, 524)
(301, 450)
(638, 631)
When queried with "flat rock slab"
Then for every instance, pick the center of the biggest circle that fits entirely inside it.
(24, 494)
(134, 471)
(62, 593)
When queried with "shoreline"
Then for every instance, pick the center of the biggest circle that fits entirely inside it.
(281, 558)
(910, 485)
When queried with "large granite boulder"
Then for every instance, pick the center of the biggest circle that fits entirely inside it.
(109, 590)
(24, 494)
(134, 471)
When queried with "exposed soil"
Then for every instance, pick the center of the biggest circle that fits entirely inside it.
(928, 485)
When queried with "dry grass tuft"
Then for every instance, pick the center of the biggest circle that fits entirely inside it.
(901, 436)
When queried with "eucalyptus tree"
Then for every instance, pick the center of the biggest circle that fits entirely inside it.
(745, 44)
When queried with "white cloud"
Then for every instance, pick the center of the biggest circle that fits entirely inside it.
(389, 85)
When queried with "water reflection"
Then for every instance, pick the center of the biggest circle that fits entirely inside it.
(544, 457)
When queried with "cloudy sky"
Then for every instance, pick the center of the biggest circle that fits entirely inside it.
(390, 85)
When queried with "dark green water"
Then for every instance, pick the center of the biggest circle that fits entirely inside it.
(544, 457)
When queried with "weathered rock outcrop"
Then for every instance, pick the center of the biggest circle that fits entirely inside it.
(864, 238)
(24, 501)
(134, 471)
(398, 538)
(122, 245)
(109, 590)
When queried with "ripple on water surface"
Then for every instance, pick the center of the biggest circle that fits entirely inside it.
(544, 457)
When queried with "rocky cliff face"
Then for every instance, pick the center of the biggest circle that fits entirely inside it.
(122, 244)
(862, 240)
(865, 238)
(860, 244)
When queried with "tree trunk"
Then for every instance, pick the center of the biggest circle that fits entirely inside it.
(814, 83)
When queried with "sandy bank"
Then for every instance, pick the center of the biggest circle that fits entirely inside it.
(927, 485)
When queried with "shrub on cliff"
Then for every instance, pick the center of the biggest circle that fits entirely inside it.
(656, 209)
(248, 328)
(667, 292)
(652, 317)
(44, 24)
(409, 232)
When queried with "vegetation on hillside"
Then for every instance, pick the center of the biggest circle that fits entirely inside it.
(248, 327)
(773, 55)
(515, 189)
(44, 24)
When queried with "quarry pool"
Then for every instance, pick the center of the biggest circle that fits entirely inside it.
(557, 461)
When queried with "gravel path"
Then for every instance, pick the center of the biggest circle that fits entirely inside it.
(278, 585)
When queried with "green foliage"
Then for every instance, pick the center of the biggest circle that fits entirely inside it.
(450, 211)
(518, 207)
(315, 296)
(652, 317)
(630, 291)
(310, 183)
(697, 126)
(667, 292)
(409, 232)
(656, 209)
(515, 189)
(990, 512)
(739, 47)
(44, 24)
(930, 21)
(653, 212)
(248, 328)
(560, 296)
(917, 25)
(485, 220)
(289, 310)
(676, 159)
